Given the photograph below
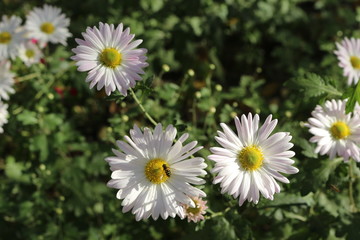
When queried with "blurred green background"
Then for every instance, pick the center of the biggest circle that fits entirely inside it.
(208, 61)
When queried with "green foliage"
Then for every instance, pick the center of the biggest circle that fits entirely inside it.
(353, 95)
(312, 85)
(208, 62)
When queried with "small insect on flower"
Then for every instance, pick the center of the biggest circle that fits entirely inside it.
(154, 175)
(110, 56)
(335, 132)
(167, 170)
(348, 54)
(249, 162)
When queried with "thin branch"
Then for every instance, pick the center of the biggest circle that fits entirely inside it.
(142, 107)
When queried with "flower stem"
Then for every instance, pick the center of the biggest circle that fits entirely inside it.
(27, 77)
(142, 107)
(353, 207)
(217, 214)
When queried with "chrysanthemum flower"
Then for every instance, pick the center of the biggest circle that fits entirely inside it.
(11, 37)
(6, 80)
(196, 213)
(348, 54)
(110, 57)
(3, 115)
(335, 132)
(48, 24)
(29, 53)
(154, 174)
(250, 161)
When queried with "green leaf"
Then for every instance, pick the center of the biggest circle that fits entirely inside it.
(330, 206)
(27, 117)
(115, 96)
(308, 149)
(14, 170)
(200, 226)
(40, 143)
(223, 229)
(154, 5)
(322, 174)
(225, 114)
(354, 96)
(286, 199)
(51, 121)
(312, 85)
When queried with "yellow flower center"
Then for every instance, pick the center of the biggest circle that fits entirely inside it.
(251, 157)
(355, 62)
(157, 171)
(5, 37)
(110, 57)
(339, 130)
(47, 28)
(29, 53)
(196, 210)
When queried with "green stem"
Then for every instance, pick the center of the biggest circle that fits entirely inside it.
(27, 77)
(142, 107)
(353, 207)
(194, 119)
(217, 214)
(48, 85)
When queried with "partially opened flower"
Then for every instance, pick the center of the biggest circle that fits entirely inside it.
(154, 174)
(3, 115)
(29, 53)
(251, 161)
(196, 213)
(348, 54)
(48, 24)
(6, 80)
(11, 37)
(111, 58)
(335, 132)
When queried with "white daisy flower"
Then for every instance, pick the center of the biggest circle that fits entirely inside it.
(196, 213)
(29, 53)
(3, 115)
(154, 174)
(110, 57)
(11, 37)
(335, 132)
(250, 161)
(48, 24)
(6, 80)
(348, 54)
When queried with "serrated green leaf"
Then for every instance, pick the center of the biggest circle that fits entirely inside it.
(313, 85)
(328, 167)
(223, 229)
(51, 121)
(286, 199)
(330, 206)
(14, 170)
(27, 117)
(308, 149)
